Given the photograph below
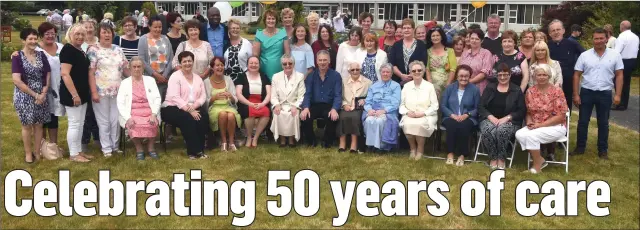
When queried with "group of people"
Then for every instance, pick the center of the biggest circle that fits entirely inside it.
(373, 93)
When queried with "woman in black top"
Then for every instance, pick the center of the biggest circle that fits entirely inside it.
(515, 60)
(254, 94)
(406, 51)
(175, 36)
(502, 111)
(74, 89)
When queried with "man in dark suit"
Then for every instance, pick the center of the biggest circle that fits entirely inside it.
(215, 32)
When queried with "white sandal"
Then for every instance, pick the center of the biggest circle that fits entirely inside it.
(449, 161)
(459, 162)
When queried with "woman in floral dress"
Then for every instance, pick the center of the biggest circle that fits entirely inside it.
(441, 62)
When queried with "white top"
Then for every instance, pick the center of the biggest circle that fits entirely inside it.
(191, 95)
(54, 83)
(255, 86)
(611, 43)
(325, 21)
(346, 54)
(419, 98)
(338, 23)
(67, 20)
(627, 45)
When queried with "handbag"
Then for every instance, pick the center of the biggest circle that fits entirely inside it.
(49, 151)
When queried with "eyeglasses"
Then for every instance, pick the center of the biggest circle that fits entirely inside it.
(354, 70)
(416, 71)
(287, 63)
(49, 34)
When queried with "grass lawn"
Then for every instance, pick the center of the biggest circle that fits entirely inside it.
(635, 85)
(621, 172)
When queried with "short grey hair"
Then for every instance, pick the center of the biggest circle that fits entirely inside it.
(416, 62)
(544, 67)
(556, 21)
(135, 59)
(386, 66)
(494, 16)
(323, 52)
(288, 57)
(354, 62)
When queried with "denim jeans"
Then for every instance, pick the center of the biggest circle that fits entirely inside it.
(602, 101)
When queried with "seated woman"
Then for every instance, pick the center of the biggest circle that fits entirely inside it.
(419, 110)
(286, 99)
(381, 111)
(501, 112)
(459, 111)
(254, 97)
(183, 108)
(223, 115)
(354, 90)
(546, 108)
(138, 104)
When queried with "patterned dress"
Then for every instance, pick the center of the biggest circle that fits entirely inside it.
(440, 67)
(140, 113)
(369, 68)
(33, 75)
(233, 66)
(513, 61)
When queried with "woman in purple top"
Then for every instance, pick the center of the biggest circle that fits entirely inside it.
(480, 60)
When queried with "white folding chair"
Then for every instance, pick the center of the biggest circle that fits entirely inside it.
(513, 144)
(564, 141)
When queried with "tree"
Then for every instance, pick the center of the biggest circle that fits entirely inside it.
(569, 13)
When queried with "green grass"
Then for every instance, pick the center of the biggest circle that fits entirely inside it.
(621, 172)
(635, 85)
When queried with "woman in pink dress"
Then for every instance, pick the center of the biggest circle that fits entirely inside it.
(138, 105)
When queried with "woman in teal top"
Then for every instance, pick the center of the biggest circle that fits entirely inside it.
(271, 43)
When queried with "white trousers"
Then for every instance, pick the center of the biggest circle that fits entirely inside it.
(531, 139)
(106, 113)
(75, 117)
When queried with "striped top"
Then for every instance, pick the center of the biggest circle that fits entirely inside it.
(130, 48)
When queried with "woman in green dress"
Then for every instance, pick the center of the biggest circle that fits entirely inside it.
(441, 63)
(270, 44)
(223, 113)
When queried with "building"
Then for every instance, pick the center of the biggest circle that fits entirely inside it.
(516, 15)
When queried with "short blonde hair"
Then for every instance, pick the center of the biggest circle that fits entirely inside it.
(234, 21)
(542, 67)
(74, 27)
(108, 15)
(287, 11)
(313, 15)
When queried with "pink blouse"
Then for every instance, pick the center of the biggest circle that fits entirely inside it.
(179, 90)
(481, 62)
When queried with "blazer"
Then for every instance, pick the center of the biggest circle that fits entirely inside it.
(287, 98)
(178, 91)
(348, 95)
(396, 57)
(242, 80)
(515, 103)
(125, 97)
(470, 100)
(231, 88)
(205, 37)
(381, 58)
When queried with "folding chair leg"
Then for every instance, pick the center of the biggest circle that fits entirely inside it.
(123, 141)
(477, 148)
(513, 152)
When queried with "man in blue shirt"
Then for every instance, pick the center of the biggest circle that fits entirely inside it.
(565, 51)
(215, 32)
(598, 67)
(322, 100)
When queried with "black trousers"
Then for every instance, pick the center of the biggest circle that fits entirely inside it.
(319, 111)
(90, 127)
(192, 131)
(567, 87)
(458, 134)
(629, 67)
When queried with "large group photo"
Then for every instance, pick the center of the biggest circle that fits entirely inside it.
(354, 91)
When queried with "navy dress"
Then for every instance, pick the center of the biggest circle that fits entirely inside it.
(34, 76)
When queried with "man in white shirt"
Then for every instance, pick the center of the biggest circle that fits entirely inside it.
(324, 20)
(140, 16)
(67, 21)
(56, 20)
(627, 45)
(338, 22)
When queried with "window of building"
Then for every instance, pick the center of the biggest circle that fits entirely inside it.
(480, 15)
(443, 11)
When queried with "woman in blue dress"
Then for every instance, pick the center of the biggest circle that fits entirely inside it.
(270, 44)
(301, 50)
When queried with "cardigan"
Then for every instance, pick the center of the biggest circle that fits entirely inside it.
(178, 91)
(143, 53)
(243, 81)
(124, 98)
(470, 100)
(231, 88)
(396, 57)
(381, 58)
(514, 106)
(246, 51)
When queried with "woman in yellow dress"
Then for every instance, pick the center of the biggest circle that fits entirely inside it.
(223, 112)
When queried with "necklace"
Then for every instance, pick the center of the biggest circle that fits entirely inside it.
(217, 82)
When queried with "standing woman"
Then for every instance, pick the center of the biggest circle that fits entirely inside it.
(301, 51)
(527, 40)
(442, 60)
(238, 52)
(200, 49)
(371, 57)
(174, 35)
(254, 95)
(223, 115)
(139, 107)
(366, 20)
(421, 33)
(611, 40)
(52, 49)
(90, 39)
(347, 52)
(325, 42)
(541, 37)
(75, 92)
(419, 110)
(542, 56)
(288, 17)
(183, 107)
(354, 90)
(144, 24)
(313, 21)
(406, 51)
(458, 47)
(389, 38)
(129, 41)
(459, 105)
(479, 59)
(286, 99)
(515, 59)
(108, 66)
(270, 44)
(155, 51)
(31, 75)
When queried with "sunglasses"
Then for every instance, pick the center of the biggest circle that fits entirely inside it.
(287, 63)
(416, 71)
(354, 70)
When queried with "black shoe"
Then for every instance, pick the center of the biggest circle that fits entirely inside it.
(603, 155)
(292, 145)
(619, 108)
(326, 145)
(550, 157)
(341, 150)
(353, 151)
(577, 152)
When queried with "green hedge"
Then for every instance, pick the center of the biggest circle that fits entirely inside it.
(6, 51)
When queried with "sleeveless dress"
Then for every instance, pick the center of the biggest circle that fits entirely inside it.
(439, 67)
(218, 106)
(28, 112)
(271, 50)
(140, 113)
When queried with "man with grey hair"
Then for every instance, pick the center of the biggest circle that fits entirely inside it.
(627, 45)
(565, 51)
(493, 38)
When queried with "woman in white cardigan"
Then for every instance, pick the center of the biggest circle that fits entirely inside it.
(287, 92)
(139, 105)
(371, 57)
(238, 53)
(347, 52)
